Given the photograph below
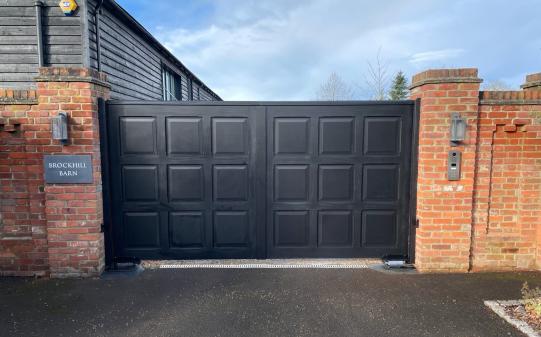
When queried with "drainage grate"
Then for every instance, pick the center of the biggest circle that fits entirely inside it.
(263, 266)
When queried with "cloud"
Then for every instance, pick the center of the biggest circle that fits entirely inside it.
(284, 50)
(436, 55)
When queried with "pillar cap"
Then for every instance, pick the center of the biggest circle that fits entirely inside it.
(533, 81)
(72, 74)
(433, 76)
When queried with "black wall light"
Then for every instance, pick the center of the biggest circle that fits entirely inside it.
(458, 129)
(59, 127)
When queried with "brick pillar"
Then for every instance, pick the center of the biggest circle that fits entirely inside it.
(444, 208)
(533, 82)
(73, 211)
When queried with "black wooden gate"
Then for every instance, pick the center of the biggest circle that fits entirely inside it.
(256, 180)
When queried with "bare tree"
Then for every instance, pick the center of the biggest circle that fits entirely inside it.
(334, 89)
(377, 79)
(496, 86)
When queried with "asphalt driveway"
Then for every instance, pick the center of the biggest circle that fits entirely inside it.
(260, 302)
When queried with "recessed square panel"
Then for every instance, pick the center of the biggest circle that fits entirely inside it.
(291, 228)
(184, 135)
(138, 135)
(291, 182)
(336, 182)
(230, 182)
(185, 183)
(291, 135)
(379, 228)
(229, 135)
(382, 136)
(231, 229)
(141, 229)
(140, 183)
(336, 135)
(335, 229)
(380, 182)
(186, 230)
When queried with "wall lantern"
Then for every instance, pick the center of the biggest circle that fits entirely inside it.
(458, 129)
(68, 7)
(59, 127)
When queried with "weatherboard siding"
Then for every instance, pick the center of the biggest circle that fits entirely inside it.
(133, 65)
(18, 47)
(132, 61)
(18, 40)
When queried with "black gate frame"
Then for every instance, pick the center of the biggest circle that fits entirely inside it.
(107, 227)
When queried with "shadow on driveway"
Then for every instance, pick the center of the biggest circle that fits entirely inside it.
(260, 302)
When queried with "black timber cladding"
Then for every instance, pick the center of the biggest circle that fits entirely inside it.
(132, 58)
(130, 55)
(246, 180)
(62, 38)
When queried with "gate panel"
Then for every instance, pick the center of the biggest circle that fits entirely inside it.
(247, 180)
(184, 180)
(338, 180)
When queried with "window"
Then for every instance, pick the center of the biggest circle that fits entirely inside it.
(171, 85)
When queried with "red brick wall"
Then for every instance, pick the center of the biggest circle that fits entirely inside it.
(490, 219)
(23, 234)
(49, 229)
(507, 203)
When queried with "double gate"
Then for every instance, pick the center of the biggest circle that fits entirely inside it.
(257, 180)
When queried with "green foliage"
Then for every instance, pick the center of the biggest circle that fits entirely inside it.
(532, 300)
(399, 88)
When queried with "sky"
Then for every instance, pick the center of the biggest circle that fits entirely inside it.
(286, 49)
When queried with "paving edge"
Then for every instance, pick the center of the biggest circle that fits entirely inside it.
(499, 308)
